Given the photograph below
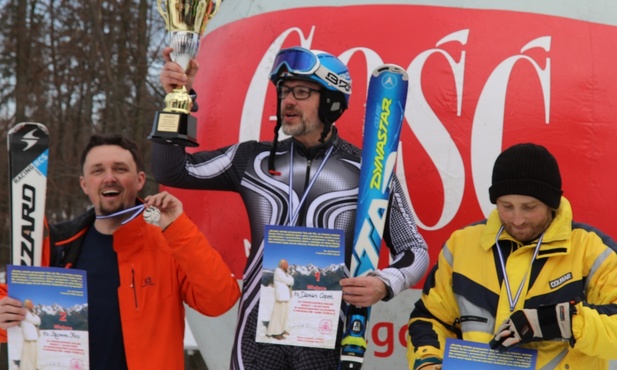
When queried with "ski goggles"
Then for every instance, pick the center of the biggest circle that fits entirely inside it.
(296, 60)
(299, 61)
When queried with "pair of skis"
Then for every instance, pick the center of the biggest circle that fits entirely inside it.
(28, 146)
(385, 108)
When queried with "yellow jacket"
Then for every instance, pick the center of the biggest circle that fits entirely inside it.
(465, 296)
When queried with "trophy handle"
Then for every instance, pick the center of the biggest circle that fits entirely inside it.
(163, 13)
(213, 8)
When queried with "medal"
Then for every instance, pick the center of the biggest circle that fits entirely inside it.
(152, 215)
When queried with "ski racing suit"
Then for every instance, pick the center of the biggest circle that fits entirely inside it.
(330, 203)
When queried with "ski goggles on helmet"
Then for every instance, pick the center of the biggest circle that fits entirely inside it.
(296, 60)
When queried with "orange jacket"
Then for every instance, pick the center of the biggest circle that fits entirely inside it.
(159, 271)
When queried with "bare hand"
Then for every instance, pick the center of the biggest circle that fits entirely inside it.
(363, 291)
(11, 312)
(173, 76)
(170, 207)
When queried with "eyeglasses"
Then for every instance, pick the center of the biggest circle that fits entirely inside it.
(296, 60)
(298, 92)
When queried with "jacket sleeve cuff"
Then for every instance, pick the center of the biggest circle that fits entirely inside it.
(421, 362)
(577, 323)
(193, 95)
(394, 280)
(389, 292)
(179, 227)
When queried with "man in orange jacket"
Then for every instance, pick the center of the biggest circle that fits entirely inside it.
(140, 269)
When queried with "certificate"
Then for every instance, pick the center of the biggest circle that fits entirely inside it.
(54, 334)
(461, 354)
(300, 295)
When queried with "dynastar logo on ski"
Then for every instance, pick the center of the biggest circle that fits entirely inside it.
(382, 141)
(385, 109)
(28, 145)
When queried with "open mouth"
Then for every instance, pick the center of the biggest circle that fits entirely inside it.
(111, 193)
(290, 114)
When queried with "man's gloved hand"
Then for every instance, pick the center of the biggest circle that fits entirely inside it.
(543, 323)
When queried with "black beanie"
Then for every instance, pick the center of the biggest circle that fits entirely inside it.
(527, 169)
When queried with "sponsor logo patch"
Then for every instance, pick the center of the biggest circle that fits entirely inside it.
(559, 281)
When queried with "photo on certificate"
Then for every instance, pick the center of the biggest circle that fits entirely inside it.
(54, 334)
(300, 299)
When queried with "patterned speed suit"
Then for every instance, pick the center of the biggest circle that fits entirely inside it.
(330, 204)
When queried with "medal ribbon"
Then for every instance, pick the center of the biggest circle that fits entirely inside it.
(137, 210)
(505, 274)
(295, 214)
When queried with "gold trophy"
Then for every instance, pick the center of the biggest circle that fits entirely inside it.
(185, 20)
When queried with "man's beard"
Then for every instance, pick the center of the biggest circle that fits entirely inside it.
(533, 234)
(296, 130)
(111, 210)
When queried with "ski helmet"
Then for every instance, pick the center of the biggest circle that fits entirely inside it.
(319, 67)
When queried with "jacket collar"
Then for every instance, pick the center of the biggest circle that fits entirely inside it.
(69, 235)
(317, 150)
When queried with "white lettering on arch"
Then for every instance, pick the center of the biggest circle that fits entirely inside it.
(487, 128)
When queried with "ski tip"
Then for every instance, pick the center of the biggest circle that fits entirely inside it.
(20, 125)
(392, 68)
(21, 129)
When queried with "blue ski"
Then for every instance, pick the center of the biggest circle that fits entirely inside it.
(385, 108)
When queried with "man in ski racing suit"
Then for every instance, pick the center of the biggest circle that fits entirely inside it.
(139, 275)
(527, 276)
(319, 172)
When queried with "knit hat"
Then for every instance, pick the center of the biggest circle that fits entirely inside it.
(527, 169)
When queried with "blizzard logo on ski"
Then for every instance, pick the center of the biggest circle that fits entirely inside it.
(559, 281)
(28, 207)
(382, 141)
(30, 140)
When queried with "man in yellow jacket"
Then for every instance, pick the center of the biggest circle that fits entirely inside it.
(141, 267)
(527, 276)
